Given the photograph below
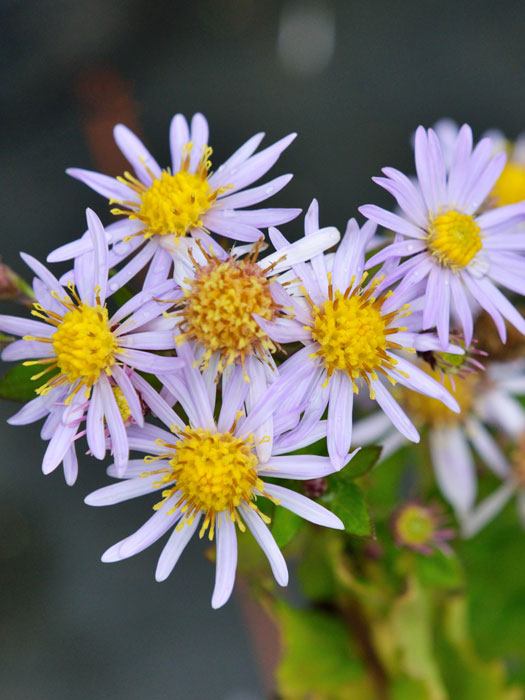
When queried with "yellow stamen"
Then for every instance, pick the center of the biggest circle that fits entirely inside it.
(84, 344)
(122, 403)
(454, 239)
(214, 473)
(353, 333)
(218, 309)
(173, 203)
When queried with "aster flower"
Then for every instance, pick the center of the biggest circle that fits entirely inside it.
(421, 528)
(161, 207)
(224, 296)
(462, 254)
(353, 334)
(510, 186)
(210, 480)
(487, 400)
(86, 355)
(513, 484)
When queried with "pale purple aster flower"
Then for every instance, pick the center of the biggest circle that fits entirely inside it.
(462, 255)
(162, 207)
(211, 480)
(353, 334)
(487, 401)
(86, 355)
(510, 186)
(222, 298)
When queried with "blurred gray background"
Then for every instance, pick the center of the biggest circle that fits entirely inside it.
(353, 79)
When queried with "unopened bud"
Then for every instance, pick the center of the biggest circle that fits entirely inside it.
(8, 288)
(13, 287)
(421, 528)
(315, 488)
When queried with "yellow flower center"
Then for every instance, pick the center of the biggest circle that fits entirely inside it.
(218, 309)
(84, 344)
(426, 411)
(454, 239)
(415, 526)
(352, 333)
(510, 187)
(173, 203)
(213, 473)
(122, 403)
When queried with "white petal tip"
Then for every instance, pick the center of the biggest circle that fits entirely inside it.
(110, 555)
(453, 405)
(283, 580)
(219, 602)
(335, 523)
(48, 467)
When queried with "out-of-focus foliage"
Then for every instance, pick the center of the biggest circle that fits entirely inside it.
(16, 383)
(375, 621)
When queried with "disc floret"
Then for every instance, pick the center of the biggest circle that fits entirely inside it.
(454, 239)
(212, 472)
(219, 306)
(353, 332)
(83, 343)
(173, 203)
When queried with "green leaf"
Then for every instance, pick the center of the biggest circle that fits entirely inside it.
(412, 625)
(495, 570)
(467, 676)
(315, 569)
(317, 660)
(408, 689)
(439, 570)
(361, 464)
(285, 525)
(347, 501)
(16, 383)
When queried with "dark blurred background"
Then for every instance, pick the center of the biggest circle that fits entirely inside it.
(353, 79)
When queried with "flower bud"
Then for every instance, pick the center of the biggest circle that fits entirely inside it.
(8, 286)
(315, 488)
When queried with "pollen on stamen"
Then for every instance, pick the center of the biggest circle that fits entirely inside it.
(353, 333)
(218, 309)
(454, 239)
(174, 203)
(213, 473)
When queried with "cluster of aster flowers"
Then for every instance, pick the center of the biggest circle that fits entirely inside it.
(232, 358)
